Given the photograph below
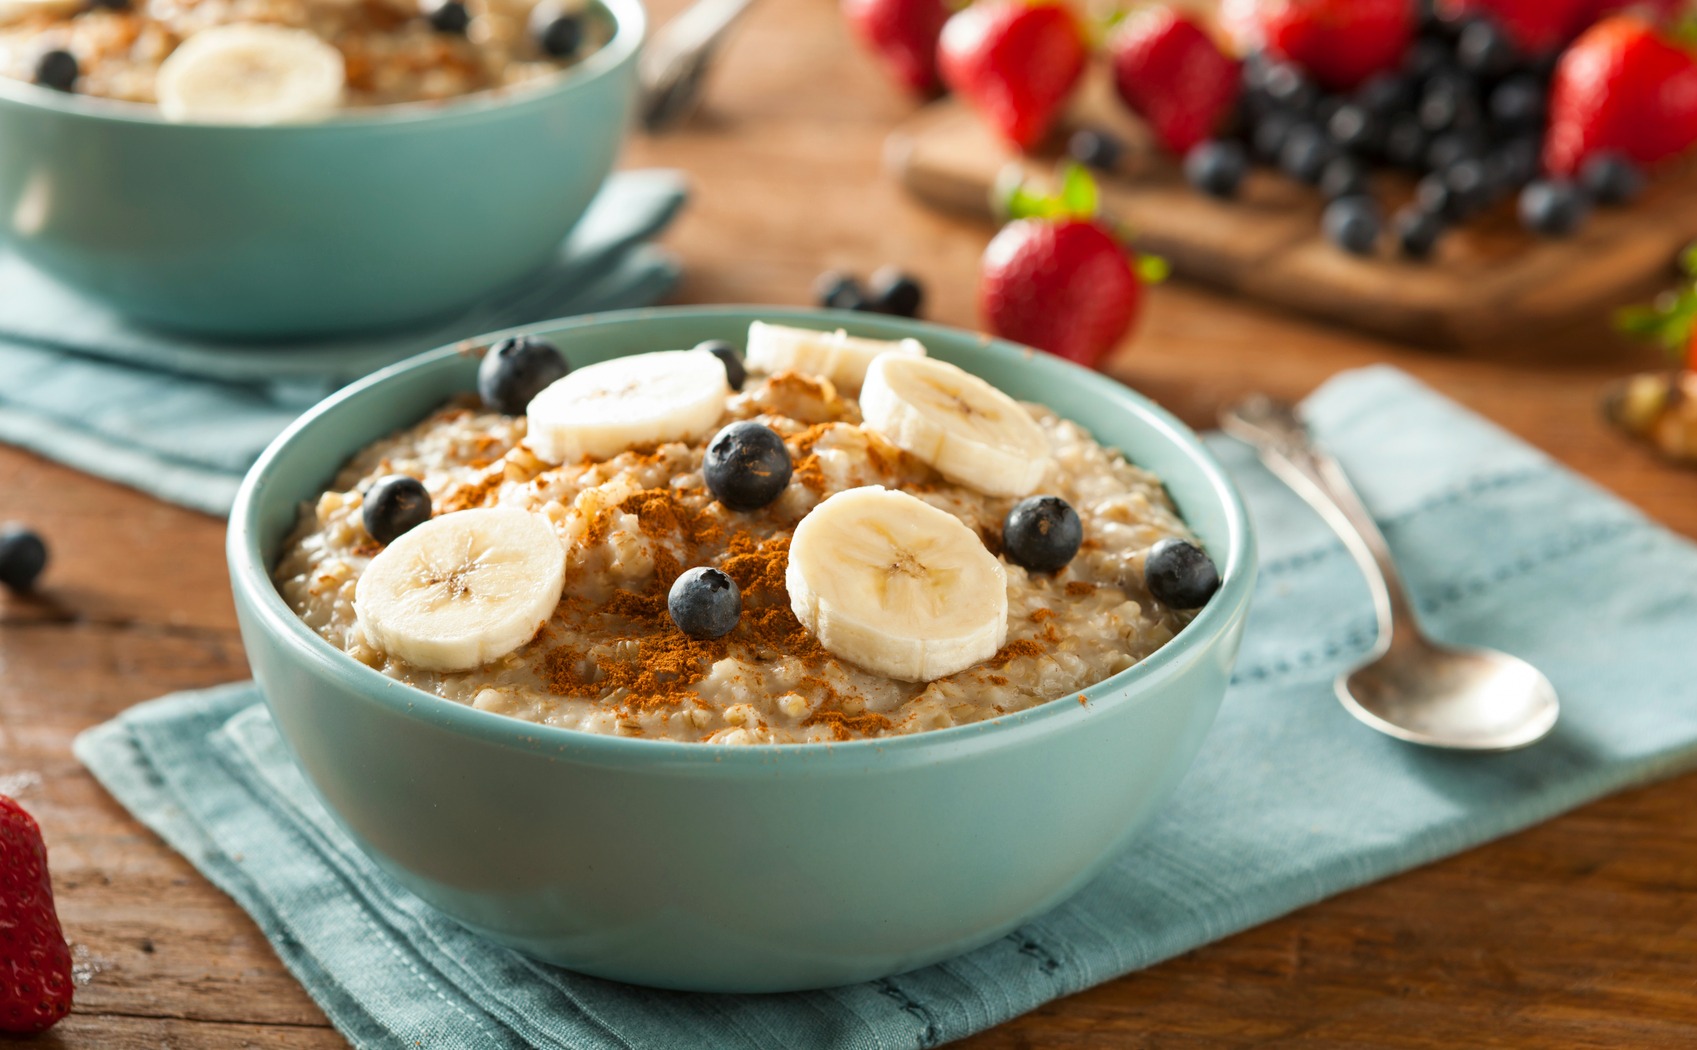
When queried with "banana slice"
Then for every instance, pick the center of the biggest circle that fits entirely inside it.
(888, 582)
(463, 589)
(604, 409)
(249, 73)
(838, 356)
(966, 429)
(20, 10)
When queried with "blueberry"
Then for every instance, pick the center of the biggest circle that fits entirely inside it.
(1290, 89)
(1306, 153)
(893, 292)
(1406, 143)
(1353, 224)
(1385, 95)
(1271, 132)
(705, 603)
(735, 372)
(557, 33)
(1470, 185)
(1356, 129)
(1610, 178)
(835, 290)
(1417, 231)
(57, 70)
(1096, 149)
(1449, 101)
(1552, 207)
(1180, 575)
(1345, 177)
(1326, 109)
(746, 465)
(1426, 58)
(1484, 50)
(1216, 168)
(449, 16)
(1515, 162)
(1433, 194)
(1517, 104)
(1042, 533)
(1453, 147)
(517, 369)
(22, 557)
(394, 505)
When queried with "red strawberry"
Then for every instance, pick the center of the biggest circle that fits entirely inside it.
(1016, 61)
(1537, 27)
(1339, 42)
(1172, 74)
(35, 964)
(904, 33)
(1057, 279)
(1621, 86)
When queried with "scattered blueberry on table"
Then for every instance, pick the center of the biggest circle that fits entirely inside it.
(736, 373)
(515, 370)
(1096, 149)
(705, 603)
(835, 290)
(394, 505)
(746, 465)
(889, 291)
(1042, 533)
(1217, 167)
(23, 555)
(1180, 575)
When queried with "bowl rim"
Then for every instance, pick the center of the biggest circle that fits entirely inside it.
(250, 577)
(630, 27)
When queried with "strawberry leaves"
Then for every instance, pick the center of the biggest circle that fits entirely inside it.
(1672, 319)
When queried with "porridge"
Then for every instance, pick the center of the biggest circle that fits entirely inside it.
(842, 539)
(271, 61)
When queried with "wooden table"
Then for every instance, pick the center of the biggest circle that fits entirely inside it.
(1578, 933)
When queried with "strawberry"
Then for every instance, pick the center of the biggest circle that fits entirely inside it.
(1537, 27)
(904, 34)
(1057, 279)
(1016, 61)
(1172, 74)
(1340, 43)
(35, 964)
(1621, 86)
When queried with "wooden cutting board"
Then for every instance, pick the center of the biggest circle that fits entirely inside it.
(1488, 280)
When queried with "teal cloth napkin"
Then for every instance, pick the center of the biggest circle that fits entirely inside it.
(182, 418)
(1290, 801)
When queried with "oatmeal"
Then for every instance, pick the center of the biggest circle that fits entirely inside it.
(681, 618)
(265, 61)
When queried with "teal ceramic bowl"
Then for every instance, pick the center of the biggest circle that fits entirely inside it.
(725, 868)
(371, 219)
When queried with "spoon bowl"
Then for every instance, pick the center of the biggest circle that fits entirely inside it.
(1444, 696)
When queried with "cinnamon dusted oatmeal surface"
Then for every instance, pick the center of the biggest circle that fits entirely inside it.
(391, 53)
(611, 661)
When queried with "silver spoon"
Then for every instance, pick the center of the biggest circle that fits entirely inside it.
(1409, 686)
(674, 66)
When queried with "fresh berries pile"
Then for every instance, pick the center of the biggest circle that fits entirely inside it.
(1058, 278)
(35, 963)
(1481, 101)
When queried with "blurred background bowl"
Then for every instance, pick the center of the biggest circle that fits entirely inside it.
(719, 867)
(374, 218)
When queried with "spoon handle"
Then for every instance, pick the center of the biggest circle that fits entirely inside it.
(1278, 435)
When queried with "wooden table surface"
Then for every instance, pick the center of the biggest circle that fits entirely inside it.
(1578, 933)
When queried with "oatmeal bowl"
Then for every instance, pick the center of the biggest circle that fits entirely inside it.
(271, 168)
(741, 650)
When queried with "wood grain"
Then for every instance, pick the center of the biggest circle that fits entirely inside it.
(1574, 934)
(1487, 279)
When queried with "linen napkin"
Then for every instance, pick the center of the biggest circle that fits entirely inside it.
(182, 418)
(1290, 801)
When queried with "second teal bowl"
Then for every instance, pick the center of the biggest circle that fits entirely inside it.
(368, 220)
(724, 868)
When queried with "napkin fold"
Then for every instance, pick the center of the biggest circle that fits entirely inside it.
(1290, 801)
(183, 417)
